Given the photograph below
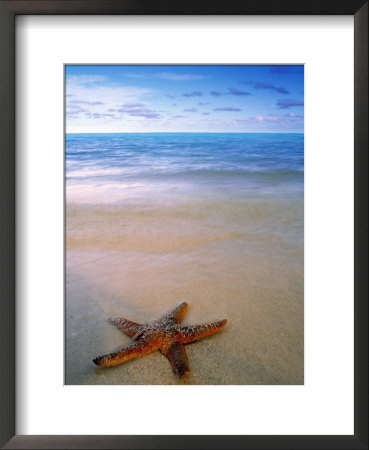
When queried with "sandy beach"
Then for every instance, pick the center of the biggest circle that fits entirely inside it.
(146, 261)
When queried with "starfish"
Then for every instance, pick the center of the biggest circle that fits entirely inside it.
(165, 335)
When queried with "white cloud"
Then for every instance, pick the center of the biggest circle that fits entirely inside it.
(287, 118)
(90, 105)
(171, 76)
(80, 80)
(178, 77)
(88, 90)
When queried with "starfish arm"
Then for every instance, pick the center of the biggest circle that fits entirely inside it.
(176, 314)
(141, 347)
(194, 333)
(178, 359)
(131, 328)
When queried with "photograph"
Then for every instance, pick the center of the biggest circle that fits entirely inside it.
(184, 224)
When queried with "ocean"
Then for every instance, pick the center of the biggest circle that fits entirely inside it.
(214, 219)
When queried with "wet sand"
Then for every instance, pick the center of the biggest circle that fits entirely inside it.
(242, 262)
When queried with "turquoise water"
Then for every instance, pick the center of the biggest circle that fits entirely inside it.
(124, 166)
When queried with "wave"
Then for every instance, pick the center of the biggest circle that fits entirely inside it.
(170, 172)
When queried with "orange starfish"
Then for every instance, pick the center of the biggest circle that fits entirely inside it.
(164, 334)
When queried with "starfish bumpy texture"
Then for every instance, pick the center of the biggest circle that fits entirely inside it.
(165, 335)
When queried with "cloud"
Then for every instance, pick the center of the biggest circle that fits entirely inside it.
(75, 107)
(266, 86)
(193, 94)
(170, 76)
(228, 108)
(178, 76)
(203, 103)
(85, 102)
(178, 117)
(288, 103)
(74, 111)
(146, 114)
(234, 91)
(133, 105)
(271, 87)
(98, 115)
(100, 95)
(270, 118)
(78, 80)
(138, 110)
(133, 109)
(231, 91)
(190, 110)
(95, 102)
(206, 113)
(294, 116)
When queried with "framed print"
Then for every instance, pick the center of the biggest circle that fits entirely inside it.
(181, 159)
(168, 153)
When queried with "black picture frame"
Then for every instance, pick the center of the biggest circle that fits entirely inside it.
(8, 12)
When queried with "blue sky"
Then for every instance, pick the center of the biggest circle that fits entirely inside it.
(184, 98)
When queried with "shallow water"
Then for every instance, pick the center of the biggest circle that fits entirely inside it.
(213, 219)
